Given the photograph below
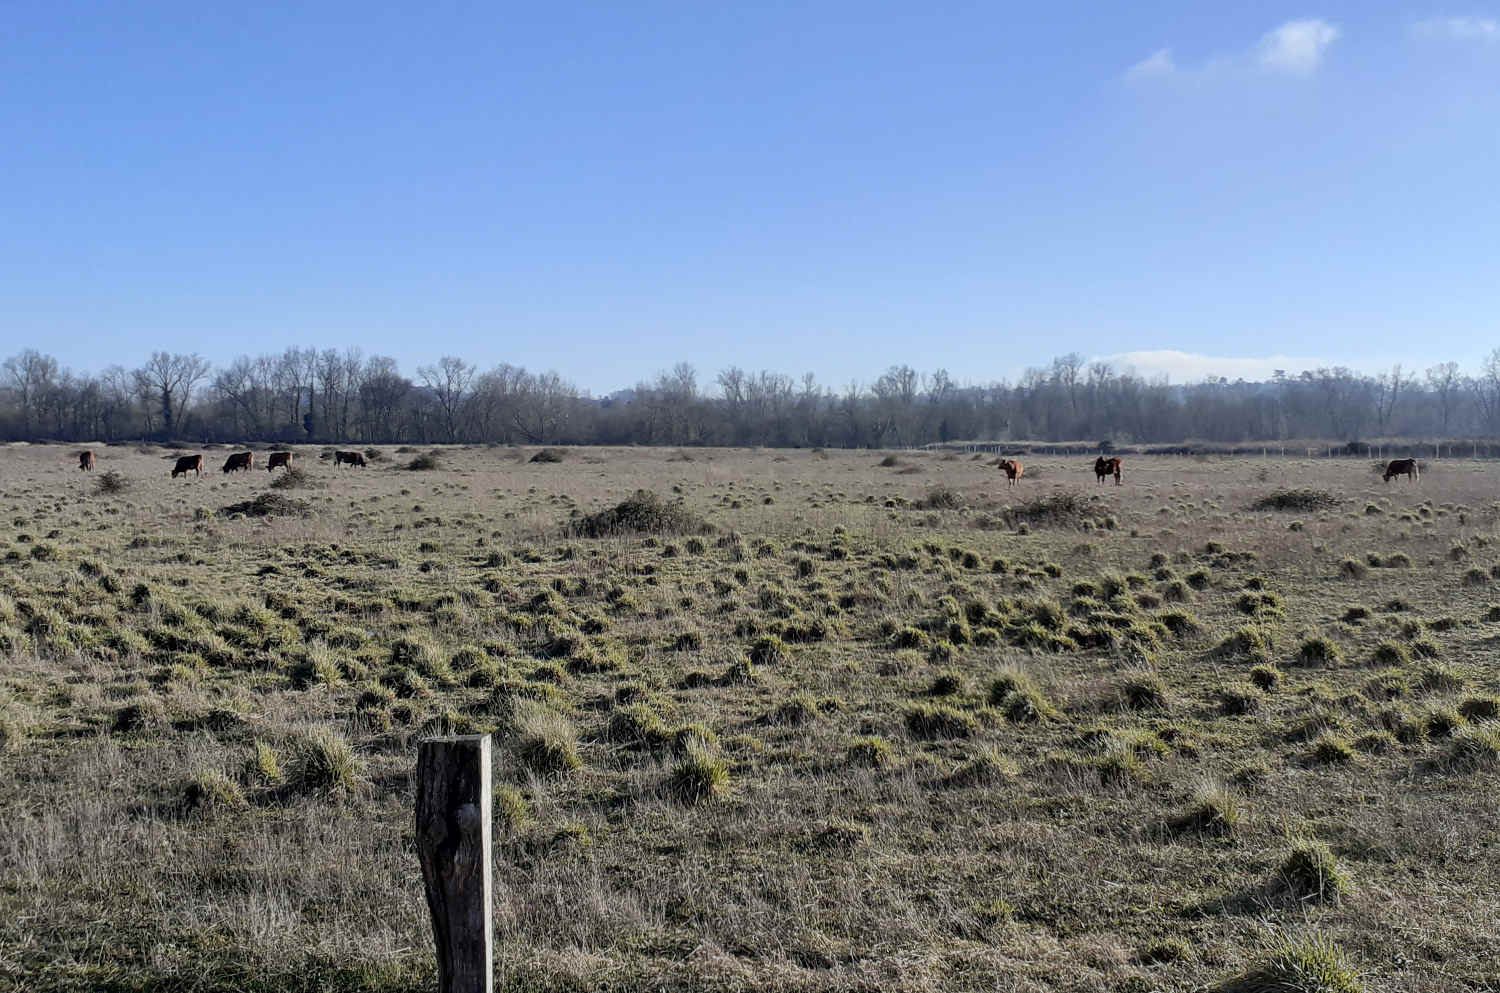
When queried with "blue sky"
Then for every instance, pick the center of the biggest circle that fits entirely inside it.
(830, 187)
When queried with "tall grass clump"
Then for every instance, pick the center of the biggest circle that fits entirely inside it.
(543, 739)
(699, 775)
(1300, 499)
(643, 513)
(324, 761)
(1298, 965)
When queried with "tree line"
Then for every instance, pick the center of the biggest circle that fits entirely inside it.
(309, 395)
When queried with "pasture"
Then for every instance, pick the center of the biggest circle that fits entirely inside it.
(878, 724)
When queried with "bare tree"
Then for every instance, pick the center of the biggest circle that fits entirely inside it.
(1446, 383)
(450, 382)
(29, 376)
(168, 380)
(1388, 390)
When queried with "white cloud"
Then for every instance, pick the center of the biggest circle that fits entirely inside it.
(1158, 63)
(1189, 367)
(1296, 47)
(1460, 28)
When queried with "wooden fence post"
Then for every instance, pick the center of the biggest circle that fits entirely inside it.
(453, 845)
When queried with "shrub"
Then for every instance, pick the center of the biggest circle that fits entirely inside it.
(111, 482)
(424, 463)
(643, 513)
(547, 456)
(1310, 872)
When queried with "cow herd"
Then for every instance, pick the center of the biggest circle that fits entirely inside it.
(237, 462)
(1104, 467)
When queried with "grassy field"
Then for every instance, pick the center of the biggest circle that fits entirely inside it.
(808, 720)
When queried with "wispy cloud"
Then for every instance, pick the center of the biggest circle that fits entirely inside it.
(1459, 28)
(1158, 63)
(1189, 367)
(1296, 47)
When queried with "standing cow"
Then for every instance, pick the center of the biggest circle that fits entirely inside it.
(86, 461)
(1012, 470)
(282, 460)
(1402, 467)
(239, 461)
(186, 464)
(1104, 468)
(349, 458)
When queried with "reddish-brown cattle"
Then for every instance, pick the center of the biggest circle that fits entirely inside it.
(188, 463)
(86, 461)
(1012, 470)
(1402, 467)
(351, 458)
(239, 461)
(1104, 468)
(281, 460)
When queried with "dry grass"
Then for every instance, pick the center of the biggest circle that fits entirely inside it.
(774, 727)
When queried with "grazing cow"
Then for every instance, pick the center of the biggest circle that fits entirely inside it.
(86, 461)
(281, 459)
(1104, 468)
(352, 458)
(239, 461)
(1012, 470)
(188, 463)
(1402, 467)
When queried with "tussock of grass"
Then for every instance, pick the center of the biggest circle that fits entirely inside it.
(698, 776)
(1298, 499)
(1312, 874)
(643, 513)
(269, 505)
(1298, 965)
(323, 761)
(543, 739)
(1060, 510)
(927, 722)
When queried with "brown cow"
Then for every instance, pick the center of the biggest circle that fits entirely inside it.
(281, 459)
(188, 463)
(1012, 470)
(238, 461)
(1104, 468)
(1402, 467)
(86, 461)
(352, 458)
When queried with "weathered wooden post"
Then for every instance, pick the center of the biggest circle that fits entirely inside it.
(453, 844)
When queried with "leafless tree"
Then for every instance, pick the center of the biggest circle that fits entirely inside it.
(168, 380)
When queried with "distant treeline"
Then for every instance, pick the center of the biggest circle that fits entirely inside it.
(308, 395)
